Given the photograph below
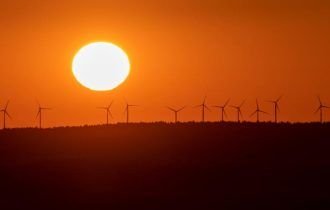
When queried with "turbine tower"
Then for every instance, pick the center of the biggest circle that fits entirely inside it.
(39, 114)
(108, 112)
(127, 110)
(222, 110)
(239, 112)
(176, 111)
(320, 109)
(258, 111)
(5, 113)
(203, 107)
(276, 107)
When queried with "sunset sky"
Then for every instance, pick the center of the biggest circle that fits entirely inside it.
(179, 51)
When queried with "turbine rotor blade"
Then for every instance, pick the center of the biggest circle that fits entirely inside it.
(109, 112)
(240, 113)
(253, 113)
(319, 100)
(38, 114)
(6, 105)
(278, 107)
(279, 98)
(38, 102)
(225, 113)
(226, 103)
(170, 108)
(6, 113)
(318, 109)
(204, 100)
(263, 112)
(181, 109)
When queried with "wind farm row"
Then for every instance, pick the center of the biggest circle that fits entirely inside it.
(203, 106)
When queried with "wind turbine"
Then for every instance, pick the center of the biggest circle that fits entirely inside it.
(108, 112)
(176, 111)
(5, 113)
(127, 110)
(222, 110)
(276, 107)
(320, 109)
(39, 114)
(239, 112)
(203, 106)
(258, 111)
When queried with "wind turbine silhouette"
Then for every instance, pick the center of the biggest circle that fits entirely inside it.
(222, 110)
(239, 112)
(108, 112)
(258, 111)
(127, 110)
(176, 111)
(39, 114)
(203, 106)
(276, 107)
(5, 113)
(320, 109)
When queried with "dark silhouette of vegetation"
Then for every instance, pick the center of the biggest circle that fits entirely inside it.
(167, 166)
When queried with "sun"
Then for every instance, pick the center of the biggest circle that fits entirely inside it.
(101, 66)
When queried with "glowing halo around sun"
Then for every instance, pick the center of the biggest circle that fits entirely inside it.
(101, 66)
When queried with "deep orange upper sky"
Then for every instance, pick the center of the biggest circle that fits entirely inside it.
(179, 52)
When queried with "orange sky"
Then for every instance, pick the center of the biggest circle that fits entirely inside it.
(178, 51)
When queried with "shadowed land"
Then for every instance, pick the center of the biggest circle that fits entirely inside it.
(167, 166)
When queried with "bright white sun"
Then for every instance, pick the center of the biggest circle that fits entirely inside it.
(101, 66)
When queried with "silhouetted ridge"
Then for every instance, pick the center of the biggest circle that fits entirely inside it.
(166, 166)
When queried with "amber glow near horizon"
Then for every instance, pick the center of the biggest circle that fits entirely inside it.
(179, 52)
(101, 66)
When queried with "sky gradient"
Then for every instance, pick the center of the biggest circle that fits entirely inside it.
(179, 52)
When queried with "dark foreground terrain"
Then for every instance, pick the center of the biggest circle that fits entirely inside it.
(166, 166)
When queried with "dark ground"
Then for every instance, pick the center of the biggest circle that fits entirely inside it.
(167, 166)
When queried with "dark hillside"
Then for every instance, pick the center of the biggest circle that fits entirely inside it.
(167, 166)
